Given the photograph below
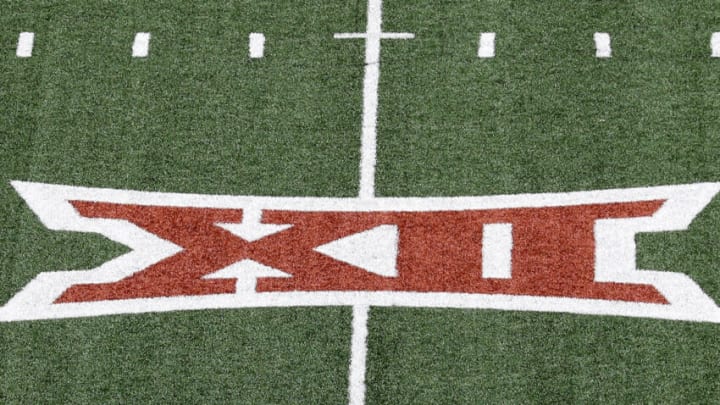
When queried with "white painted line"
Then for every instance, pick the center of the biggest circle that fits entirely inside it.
(141, 45)
(350, 35)
(715, 44)
(602, 45)
(397, 35)
(358, 355)
(25, 44)
(486, 49)
(383, 35)
(368, 158)
(371, 81)
(257, 45)
(497, 243)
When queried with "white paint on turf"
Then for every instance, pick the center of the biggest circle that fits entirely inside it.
(368, 160)
(371, 83)
(141, 45)
(715, 44)
(374, 250)
(252, 229)
(368, 152)
(25, 44)
(384, 35)
(486, 48)
(602, 45)
(358, 355)
(257, 45)
(246, 272)
(497, 244)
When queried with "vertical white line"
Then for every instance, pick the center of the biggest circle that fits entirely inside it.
(371, 82)
(141, 45)
(715, 44)
(486, 48)
(602, 45)
(25, 44)
(497, 244)
(257, 45)
(368, 159)
(358, 355)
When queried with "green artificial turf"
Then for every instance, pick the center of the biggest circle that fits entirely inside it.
(199, 116)
(429, 356)
(268, 356)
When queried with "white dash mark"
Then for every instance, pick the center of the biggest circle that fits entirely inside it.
(257, 45)
(602, 45)
(497, 246)
(715, 44)
(141, 45)
(358, 356)
(486, 49)
(25, 44)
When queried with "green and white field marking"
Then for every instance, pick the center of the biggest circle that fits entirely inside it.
(206, 113)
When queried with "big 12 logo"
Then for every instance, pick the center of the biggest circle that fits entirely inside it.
(559, 252)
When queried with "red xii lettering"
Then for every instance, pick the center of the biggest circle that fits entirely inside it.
(553, 252)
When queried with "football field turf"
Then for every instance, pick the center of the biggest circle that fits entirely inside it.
(198, 115)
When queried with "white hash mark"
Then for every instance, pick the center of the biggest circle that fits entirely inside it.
(602, 45)
(257, 45)
(715, 44)
(25, 44)
(486, 48)
(141, 45)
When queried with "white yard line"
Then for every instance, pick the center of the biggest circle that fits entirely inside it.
(370, 99)
(25, 44)
(368, 159)
(373, 35)
(358, 357)
(368, 156)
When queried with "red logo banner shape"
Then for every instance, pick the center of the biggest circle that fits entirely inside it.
(553, 252)
(558, 252)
